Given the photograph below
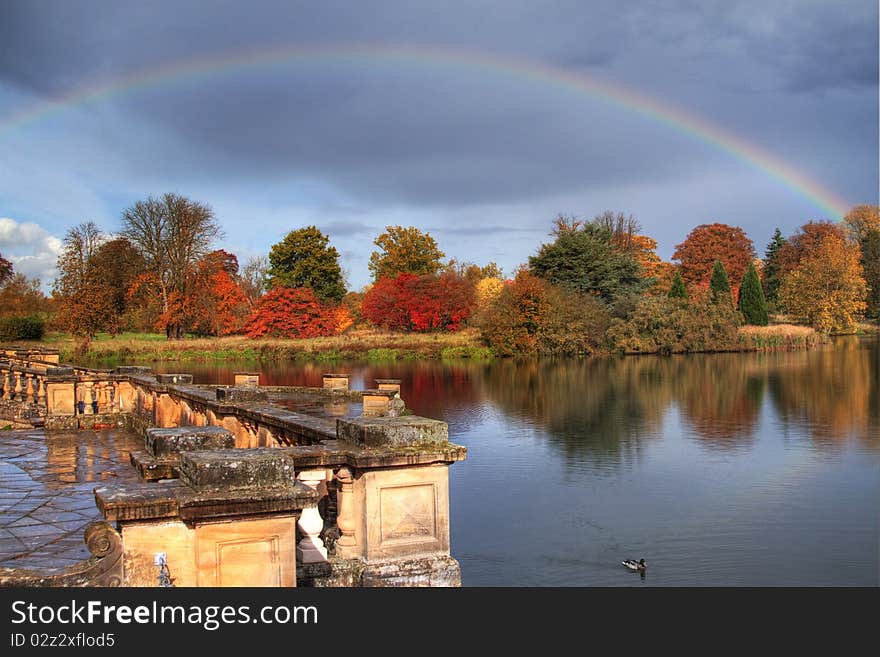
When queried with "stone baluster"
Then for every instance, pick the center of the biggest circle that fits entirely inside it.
(41, 390)
(346, 545)
(89, 398)
(28, 387)
(102, 396)
(17, 390)
(4, 383)
(311, 548)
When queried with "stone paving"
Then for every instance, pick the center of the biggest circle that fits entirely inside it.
(46, 500)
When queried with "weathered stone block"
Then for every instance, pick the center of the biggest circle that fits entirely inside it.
(184, 379)
(132, 369)
(59, 371)
(408, 431)
(336, 381)
(246, 378)
(161, 442)
(241, 394)
(237, 468)
(388, 384)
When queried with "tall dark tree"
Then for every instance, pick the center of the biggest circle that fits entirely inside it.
(772, 268)
(588, 261)
(678, 290)
(117, 263)
(719, 284)
(172, 233)
(751, 302)
(304, 258)
(5, 269)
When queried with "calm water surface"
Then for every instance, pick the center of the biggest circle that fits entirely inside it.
(723, 469)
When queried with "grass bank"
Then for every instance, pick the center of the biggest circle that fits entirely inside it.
(779, 337)
(360, 345)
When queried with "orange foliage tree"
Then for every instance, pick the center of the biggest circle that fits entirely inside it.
(295, 312)
(644, 250)
(805, 242)
(710, 242)
(827, 288)
(420, 303)
(217, 304)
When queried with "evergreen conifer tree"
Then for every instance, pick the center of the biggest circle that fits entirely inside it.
(751, 302)
(719, 284)
(678, 290)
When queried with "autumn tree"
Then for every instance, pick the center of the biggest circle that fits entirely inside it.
(623, 229)
(419, 303)
(116, 264)
(804, 242)
(304, 258)
(85, 300)
(21, 295)
(827, 288)
(172, 234)
(677, 290)
(863, 225)
(587, 261)
(405, 251)
(644, 250)
(286, 312)
(218, 304)
(751, 302)
(771, 274)
(531, 316)
(710, 242)
(719, 284)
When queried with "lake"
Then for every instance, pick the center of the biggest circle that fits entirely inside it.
(719, 469)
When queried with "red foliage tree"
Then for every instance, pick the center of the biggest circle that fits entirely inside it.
(420, 303)
(710, 242)
(286, 312)
(217, 304)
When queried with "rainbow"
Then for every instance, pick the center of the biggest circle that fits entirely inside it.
(676, 118)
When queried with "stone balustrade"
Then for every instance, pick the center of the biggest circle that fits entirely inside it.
(253, 493)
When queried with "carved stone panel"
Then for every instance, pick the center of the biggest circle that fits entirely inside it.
(404, 512)
(260, 552)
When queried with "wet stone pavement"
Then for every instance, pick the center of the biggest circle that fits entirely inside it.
(46, 499)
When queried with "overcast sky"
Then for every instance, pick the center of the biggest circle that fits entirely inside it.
(481, 156)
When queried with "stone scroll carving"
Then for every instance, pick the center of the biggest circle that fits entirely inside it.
(103, 569)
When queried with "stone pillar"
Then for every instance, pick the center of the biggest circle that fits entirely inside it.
(4, 382)
(388, 384)
(346, 546)
(311, 548)
(60, 397)
(248, 379)
(336, 381)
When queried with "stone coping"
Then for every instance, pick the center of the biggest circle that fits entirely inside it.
(174, 499)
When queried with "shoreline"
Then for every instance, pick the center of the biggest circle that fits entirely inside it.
(374, 346)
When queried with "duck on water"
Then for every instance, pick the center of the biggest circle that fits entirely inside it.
(635, 566)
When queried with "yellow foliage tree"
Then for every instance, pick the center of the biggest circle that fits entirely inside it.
(827, 289)
(643, 249)
(487, 290)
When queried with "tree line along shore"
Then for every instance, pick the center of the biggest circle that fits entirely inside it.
(158, 289)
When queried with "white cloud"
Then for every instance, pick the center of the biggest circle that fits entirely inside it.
(31, 249)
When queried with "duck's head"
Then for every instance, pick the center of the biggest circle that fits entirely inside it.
(642, 564)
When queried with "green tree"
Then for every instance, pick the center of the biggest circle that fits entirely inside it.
(678, 290)
(304, 258)
(719, 284)
(772, 268)
(751, 302)
(405, 251)
(586, 260)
